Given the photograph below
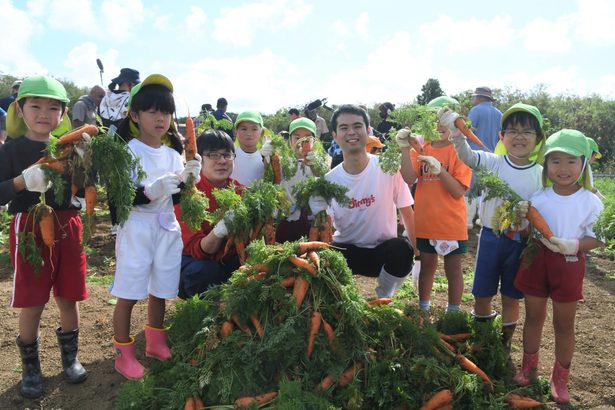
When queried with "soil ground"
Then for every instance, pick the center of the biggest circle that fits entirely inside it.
(592, 384)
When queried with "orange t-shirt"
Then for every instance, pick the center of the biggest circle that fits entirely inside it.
(437, 215)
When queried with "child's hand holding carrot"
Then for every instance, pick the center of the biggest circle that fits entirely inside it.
(220, 229)
(405, 139)
(35, 180)
(192, 168)
(267, 150)
(317, 204)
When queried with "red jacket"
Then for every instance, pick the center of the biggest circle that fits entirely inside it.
(191, 239)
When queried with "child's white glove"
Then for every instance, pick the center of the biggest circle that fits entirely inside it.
(433, 165)
(267, 150)
(35, 179)
(520, 210)
(163, 186)
(311, 158)
(317, 204)
(220, 230)
(193, 167)
(565, 246)
(403, 138)
(447, 117)
(551, 246)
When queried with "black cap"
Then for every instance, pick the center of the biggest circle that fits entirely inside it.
(127, 75)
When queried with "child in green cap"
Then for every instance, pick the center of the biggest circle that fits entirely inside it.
(498, 257)
(571, 210)
(37, 111)
(249, 164)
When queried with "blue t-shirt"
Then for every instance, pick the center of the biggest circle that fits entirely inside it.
(486, 123)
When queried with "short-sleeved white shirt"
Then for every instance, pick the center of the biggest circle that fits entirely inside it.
(570, 216)
(371, 217)
(248, 166)
(524, 180)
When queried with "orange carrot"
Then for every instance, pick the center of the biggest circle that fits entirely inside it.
(76, 134)
(244, 402)
(46, 224)
(314, 258)
(261, 267)
(380, 301)
(447, 345)
(468, 365)
(460, 124)
(539, 223)
(269, 232)
(325, 383)
(276, 167)
(260, 276)
(458, 337)
(90, 199)
(227, 329)
(349, 374)
(257, 324)
(311, 246)
(441, 398)
(313, 234)
(244, 328)
(190, 139)
(230, 241)
(306, 146)
(198, 403)
(330, 334)
(240, 247)
(256, 231)
(190, 405)
(303, 264)
(518, 401)
(300, 289)
(314, 328)
(288, 282)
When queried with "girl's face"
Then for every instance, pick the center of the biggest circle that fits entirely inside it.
(564, 170)
(519, 141)
(41, 115)
(299, 135)
(248, 134)
(217, 166)
(444, 132)
(153, 124)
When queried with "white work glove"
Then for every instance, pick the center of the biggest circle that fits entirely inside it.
(433, 165)
(551, 246)
(403, 138)
(565, 246)
(220, 229)
(317, 204)
(520, 210)
(163, 186)
(447, 118)
(35, 179)
(193, 167)
(311, 158)
(267, 150)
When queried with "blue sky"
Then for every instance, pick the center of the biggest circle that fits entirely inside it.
(264, 55)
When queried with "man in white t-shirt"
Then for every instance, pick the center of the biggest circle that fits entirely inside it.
(367, 228)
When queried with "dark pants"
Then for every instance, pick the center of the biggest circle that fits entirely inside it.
(197, 275)
(396, 255)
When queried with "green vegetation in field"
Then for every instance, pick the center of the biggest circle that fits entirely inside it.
(104, 280)
(605, 226)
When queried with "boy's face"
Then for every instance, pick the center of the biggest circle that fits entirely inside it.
(248, 134)
(41, 115)
(299, 135)
(564, 170)
(153, 124)
(351, 133)
(519, 140)
(217, 166)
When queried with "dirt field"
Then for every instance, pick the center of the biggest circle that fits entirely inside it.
(592, 384)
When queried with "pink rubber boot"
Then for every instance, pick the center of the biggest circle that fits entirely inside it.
(125, 362)
(559, 383)
(529, 364)
(156, 343)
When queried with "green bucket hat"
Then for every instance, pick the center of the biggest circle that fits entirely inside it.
(35, 86)
(251, 116)
(572, 142)
(302, 123)
(521, 107)
(593, 146)
(444, 101)
(151, 79)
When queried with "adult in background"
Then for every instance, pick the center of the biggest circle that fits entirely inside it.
(6, 101)
(294, 114)
(367, 229)
(114, 105)
(486, 124)
(383, 128)
(84, 109)
(204, 262)
(220, 114)
(322, 130)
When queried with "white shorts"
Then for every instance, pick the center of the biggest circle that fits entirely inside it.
(148, 251)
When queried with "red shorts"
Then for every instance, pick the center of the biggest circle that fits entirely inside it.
(63, 269)
(550, 275)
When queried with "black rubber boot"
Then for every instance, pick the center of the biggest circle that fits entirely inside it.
(69, 345)
(31, 376)
(507, 334)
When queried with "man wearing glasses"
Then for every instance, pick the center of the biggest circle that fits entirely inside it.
(204, 262)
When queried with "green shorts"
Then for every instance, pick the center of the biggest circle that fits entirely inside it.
(423, 245)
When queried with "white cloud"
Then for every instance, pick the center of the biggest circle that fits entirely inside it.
(70, 15)
(195, 23)
(545, 36)
(120, 19)
(81, 68)
(341, 28)
(468, 35)
(595, 25)
(557, 80)
(18, 27)
(361, 25)
(237, 25)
